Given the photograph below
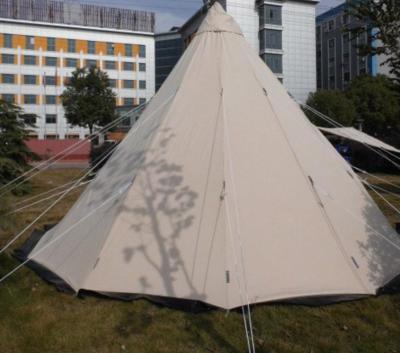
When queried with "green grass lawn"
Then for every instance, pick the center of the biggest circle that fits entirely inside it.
(35, 318)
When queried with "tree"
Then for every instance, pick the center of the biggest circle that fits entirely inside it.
(377, 102)
(334, 104)
(383, 27)
(14, 154)
(88, 99)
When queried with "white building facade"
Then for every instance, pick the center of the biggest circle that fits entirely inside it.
(283, 32)
(36, 59)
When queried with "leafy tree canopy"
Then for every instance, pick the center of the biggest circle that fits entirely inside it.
(14, 154)
(334, 104)
(383, 28)
(88, 99)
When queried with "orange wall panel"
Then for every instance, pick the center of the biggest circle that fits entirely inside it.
(135, 50)
(40, 42)
(119, 49)
(101, 48)
(81, 46)
(1, 40)
(18, 41)
(61, 44)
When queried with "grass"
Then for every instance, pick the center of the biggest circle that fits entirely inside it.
(35, 318)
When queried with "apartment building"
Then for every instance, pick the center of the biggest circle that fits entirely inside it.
(43, 42)
(282, 32)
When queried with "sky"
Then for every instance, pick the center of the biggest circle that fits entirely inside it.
(171, 13)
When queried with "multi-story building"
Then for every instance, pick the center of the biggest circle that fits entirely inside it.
(338, 59)
(42, 42)
(281, 31)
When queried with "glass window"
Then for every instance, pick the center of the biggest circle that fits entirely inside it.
(271, 14)
(8, 78)
(129, 84)
(142, 67)
(129, 101)
(29, 99)
(90, 63)
(67, 81)
(110, 49)
(70, 62)
(7, 41)
(29, 79)
(274, 62)
(51, 99)
(91, 47)
(30, 119)
(271, 39)
(51, 118)
(50, 80)
(128, 66)
(7, 58)
(29, 42)
(113, 83)
(9, 98)
(128, 49)
(142, 51)
(51, 44)
(71, 45)
(142, 101)
(110, 65)
(142, 84)
(50, 61)
(331, 25)
(29, 60)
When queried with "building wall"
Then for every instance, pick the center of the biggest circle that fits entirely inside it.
(40, 32)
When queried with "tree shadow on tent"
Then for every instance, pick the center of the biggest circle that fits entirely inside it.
(383, 257)
(163, 213)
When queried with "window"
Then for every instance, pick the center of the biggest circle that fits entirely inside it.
(51, 119)
(90, 63)
(91, 47)
(50, 61)
(29, 79)
(274, 62)
(142, 84)
(7, 58)
(128, 66)
(29, 99)
(50, 80)
(29, 60)
(8, 78)
(110, 49)
(9, 98)
(142, 51)
(51, 99)
(113, 83)
(345, 19)
(331, 25)
(142, 101)
(129, 84)
(142, 67)
(69, 62)
(128, 49)
(110, 65)
(346, 76)
(51, 44)
(67, 81)
(7, 41)
(29, 42)
(129, 101)
(71, 45)
(30, 119)
(331, 43)
(271, 39)
(271, 14)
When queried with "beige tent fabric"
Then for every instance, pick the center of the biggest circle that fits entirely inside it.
(359, 136)
(233, 196)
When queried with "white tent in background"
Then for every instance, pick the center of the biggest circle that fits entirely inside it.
(359, 136)
(224, 193)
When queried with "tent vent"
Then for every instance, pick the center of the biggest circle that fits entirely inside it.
(228, 277)
(355, 262)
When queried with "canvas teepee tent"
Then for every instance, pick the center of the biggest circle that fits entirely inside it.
(223, 193)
